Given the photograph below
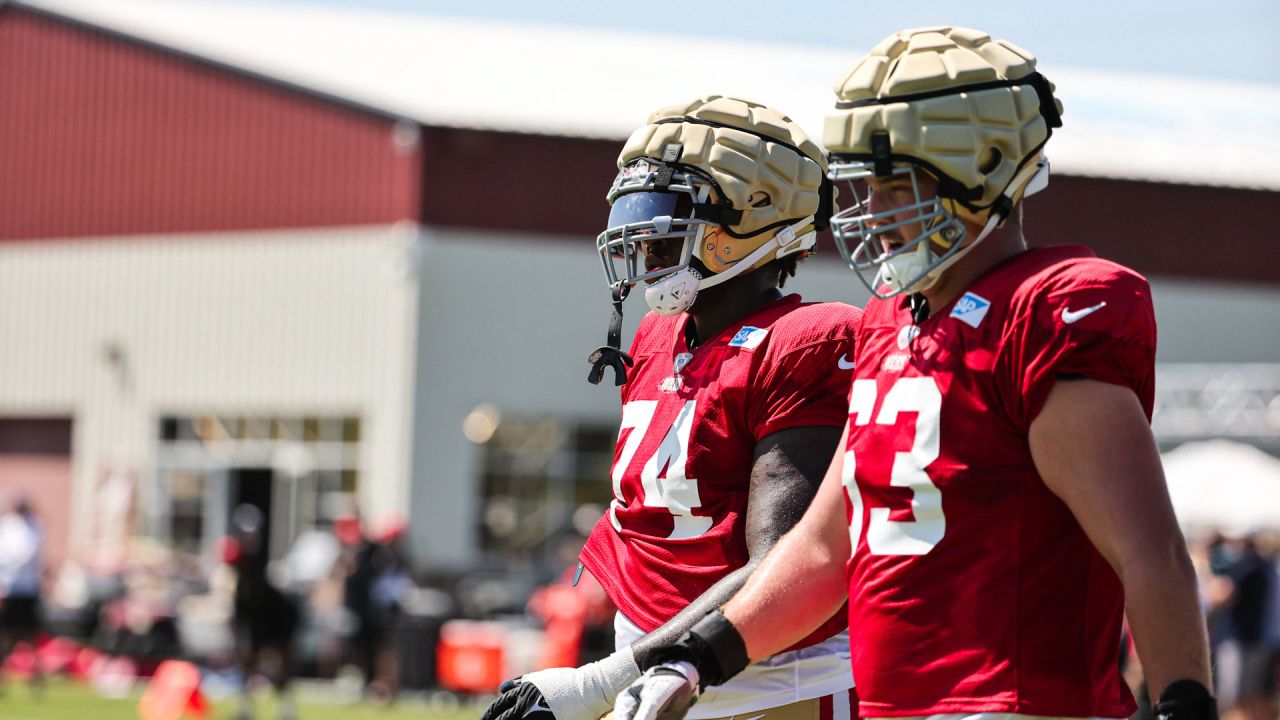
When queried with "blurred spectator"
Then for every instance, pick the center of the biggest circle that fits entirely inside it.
(21, 548)
(355, 598)
(391, 583)
(138, 604)
(312, 573)
(1242, 603)
(374, 591)
(264, 619)
(576, 611)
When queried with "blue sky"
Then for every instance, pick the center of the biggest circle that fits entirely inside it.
(1230, 39)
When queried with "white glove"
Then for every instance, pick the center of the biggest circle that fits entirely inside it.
(664, 692)
(587, 692)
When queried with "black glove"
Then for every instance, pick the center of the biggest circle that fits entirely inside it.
(1186, 700)
(518, 701)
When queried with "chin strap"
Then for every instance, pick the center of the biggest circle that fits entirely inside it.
(1034, 177)
(785, 238)
(919, 306)
(610, 354)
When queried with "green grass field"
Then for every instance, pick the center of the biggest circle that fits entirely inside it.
(64, 700)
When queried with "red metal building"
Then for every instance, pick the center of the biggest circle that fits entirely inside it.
(106, 134)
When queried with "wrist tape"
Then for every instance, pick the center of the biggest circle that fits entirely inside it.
(713, 645)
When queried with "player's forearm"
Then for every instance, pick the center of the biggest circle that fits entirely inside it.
(1165, 616)
(1094, 449)
(800, 582)
(802, 577)
(670, 631)
(785, 474)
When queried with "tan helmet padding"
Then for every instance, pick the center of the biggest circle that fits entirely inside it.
(976, 138)
(741, 163)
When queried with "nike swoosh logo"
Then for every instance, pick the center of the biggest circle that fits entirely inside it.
(843, 365)
(1071, 316)
(540, 706)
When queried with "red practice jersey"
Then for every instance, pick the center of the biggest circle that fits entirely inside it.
(690, 425)
(972, 588)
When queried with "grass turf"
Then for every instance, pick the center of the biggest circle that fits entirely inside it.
(62, 700)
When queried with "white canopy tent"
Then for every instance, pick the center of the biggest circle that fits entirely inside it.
(1225, 486)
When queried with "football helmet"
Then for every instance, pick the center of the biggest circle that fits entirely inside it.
(736, 183)
(970, 111)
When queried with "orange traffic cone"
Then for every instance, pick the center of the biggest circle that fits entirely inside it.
(174, 693)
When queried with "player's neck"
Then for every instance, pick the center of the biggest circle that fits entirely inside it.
(1000, 245)
(720, 306)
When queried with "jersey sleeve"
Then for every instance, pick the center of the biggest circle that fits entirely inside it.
(1096, 323)
(805, 385)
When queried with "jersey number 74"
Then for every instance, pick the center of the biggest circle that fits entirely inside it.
(672, 490)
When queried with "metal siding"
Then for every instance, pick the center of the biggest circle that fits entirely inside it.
(557, 185)
(550, 184)
(1200, 233)
(101, 136)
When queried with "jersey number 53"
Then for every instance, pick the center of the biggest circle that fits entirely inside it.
(918, 395)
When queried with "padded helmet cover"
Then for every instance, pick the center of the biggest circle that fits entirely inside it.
(970, 109)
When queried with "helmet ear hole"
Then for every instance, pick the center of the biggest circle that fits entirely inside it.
(759, 199)
(990, 160)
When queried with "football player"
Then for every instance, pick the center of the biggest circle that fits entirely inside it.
(733, 400)
(999, 500)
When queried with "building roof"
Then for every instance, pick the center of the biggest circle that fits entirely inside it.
(573, 82)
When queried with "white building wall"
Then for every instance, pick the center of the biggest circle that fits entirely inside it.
(117, 332)
(1216, 322)
(508, 320)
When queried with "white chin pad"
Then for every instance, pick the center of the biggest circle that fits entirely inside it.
(905, 266)
(674, 293)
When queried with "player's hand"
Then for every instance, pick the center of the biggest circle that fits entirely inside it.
(519, 700)
(582, 693)
(664, 692)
